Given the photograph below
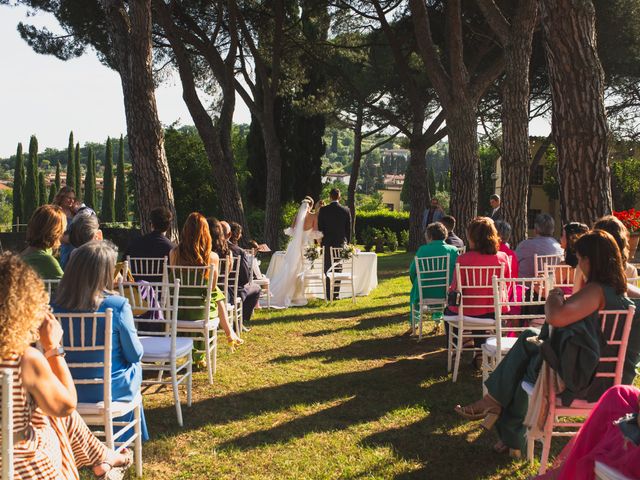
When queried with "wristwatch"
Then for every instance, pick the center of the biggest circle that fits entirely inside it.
(55, 352)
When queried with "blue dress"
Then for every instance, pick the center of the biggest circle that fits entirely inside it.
(126, 354)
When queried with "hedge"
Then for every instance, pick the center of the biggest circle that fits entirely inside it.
(397, 222)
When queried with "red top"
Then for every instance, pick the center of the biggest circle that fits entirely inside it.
(476, 259)
(504, 247)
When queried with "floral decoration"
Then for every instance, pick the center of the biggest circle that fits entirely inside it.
(630, 218)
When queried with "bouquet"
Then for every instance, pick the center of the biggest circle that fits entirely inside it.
(348, 251)
(312, 253)
(630, 218)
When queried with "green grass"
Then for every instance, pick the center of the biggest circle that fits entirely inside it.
(329, 391)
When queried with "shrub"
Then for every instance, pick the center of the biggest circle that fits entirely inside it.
(390, 239)
(381, 219)
(404, 239)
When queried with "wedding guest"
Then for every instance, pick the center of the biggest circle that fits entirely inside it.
(435, 236)
(66, 199)
(504, 232)
(44, 234)
(248, 292)
(571, 232)
(87, 286)
(432, 214)
(496, 208)
(578, 317)
(450, 224)
(51, 441)
(542, 243)
(84, 228)
(611, 435)
(154, 244)
(236, 233)
(194, 249)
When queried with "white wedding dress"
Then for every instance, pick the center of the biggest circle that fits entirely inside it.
(287, 285)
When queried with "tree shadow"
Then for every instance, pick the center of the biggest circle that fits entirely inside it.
(362, 325)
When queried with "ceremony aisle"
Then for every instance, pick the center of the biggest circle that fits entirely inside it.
(328, 391)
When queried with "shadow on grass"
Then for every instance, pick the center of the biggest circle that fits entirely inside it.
(362, 325)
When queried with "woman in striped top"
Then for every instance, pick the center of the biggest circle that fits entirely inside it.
(51, 441)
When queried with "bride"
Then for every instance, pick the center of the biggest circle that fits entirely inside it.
(287, 286)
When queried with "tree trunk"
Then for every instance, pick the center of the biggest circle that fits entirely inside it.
(130, 33)
(579, 123)
(355, 168)
(274, 180)
(418, 190)
(516, 156)
(463, 155)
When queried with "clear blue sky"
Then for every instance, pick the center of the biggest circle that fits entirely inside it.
(42, 95)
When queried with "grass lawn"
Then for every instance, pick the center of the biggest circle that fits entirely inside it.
(329, 392)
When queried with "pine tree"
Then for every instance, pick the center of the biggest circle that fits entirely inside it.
(55, 188)
(77, 186)
(431, 180)
(334, 141)
(71, 165)
(121, 210)
(42, 189)
(18, 189)
(90, 180)
(31, 196)
(107, 214)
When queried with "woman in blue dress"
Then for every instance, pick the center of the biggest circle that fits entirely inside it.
(87, 287)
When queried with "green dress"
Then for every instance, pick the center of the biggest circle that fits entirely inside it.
(435, 248)
(44, 263)
(523, 363)
(195, 313)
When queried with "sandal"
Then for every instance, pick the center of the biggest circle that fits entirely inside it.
(500, 447)
(486, 409)
(117, 473)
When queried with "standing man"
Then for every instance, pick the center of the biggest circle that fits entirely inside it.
(496, 208)
(432, 214)
(334, 221)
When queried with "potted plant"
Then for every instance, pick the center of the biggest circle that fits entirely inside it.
(631, 219)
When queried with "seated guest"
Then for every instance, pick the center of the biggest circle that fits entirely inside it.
(66, 200)
(247, 291)
(194, 249)
(504, 232)
(87, 286)
(450, 224)
(435, 236)
(542, 244)
(576, 317)
(571, 232)
(84, 228)
(236, 233)
(154, 244)
(51, 441)
(484, 251)
(44, 233)
(611, 435)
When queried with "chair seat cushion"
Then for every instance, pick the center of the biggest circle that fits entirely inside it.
(159, 348)
(118, 409)
(470, 321)
(340, 276)
(197, 325)
(506, 343)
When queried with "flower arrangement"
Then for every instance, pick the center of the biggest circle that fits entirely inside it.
(630, 218)
(312, 253)
(348, 251)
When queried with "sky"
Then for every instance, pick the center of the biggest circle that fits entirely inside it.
(43, 96)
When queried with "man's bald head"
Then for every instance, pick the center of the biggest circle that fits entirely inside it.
(226, 228)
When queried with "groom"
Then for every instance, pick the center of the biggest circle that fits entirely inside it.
(334, 221)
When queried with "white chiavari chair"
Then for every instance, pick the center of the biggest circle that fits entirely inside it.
(147, 268)
(228, 279)
(258, 278)
(6, 379)
(51, 286)
(462, 250)
(313, 276)
(432, 275)
(562, 277)
(341, 275)
(605, 472)
(540, 263)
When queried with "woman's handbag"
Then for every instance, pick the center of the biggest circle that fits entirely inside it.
(454, 298)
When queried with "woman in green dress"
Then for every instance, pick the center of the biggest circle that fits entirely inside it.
(194, 249)
(44, 233)
(506, 403)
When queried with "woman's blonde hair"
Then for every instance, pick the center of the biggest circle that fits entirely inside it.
(46, 227)
(87, 277)
(23, 302)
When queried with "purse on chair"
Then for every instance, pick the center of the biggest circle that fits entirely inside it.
(132, 294)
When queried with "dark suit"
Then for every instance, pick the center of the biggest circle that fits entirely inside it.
(151, 245)
(247, 291)
(334, 221)
(497, 215)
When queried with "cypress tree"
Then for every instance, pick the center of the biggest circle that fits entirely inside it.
(55, 188)
(334, 142)
(42, 189)
(431, 180)
(77, 185)
(107, 214)
(71, 166)
(18, 189)
(31, 196)
(121, 210)
(90, 180)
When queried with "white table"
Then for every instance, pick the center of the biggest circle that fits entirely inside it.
(365, 268)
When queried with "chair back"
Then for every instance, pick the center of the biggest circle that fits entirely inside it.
(233, 281)
(51, 286)
(148, 269)
(88, 334)
(160, 299)
(475, 284)
(462, 250)
(224, 273)
(336, 260)
(432, 275)
(540, 263)
(562, 276)
(511, 295)
(616, 327)
(6, 379)
(194, 296)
